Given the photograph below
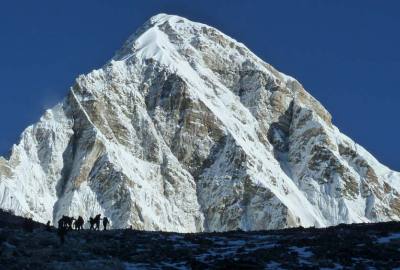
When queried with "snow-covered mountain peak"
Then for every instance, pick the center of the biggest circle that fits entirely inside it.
(185, 129)
(166, 38)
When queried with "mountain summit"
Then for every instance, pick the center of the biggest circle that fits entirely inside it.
(186, 130)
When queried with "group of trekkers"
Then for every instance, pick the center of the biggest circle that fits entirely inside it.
(70, 223)
(67, 223)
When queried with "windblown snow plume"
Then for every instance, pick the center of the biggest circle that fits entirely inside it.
(186, 130)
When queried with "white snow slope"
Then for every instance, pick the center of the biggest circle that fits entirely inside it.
(187, 130)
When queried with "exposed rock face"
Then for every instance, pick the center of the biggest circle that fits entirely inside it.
(186, 130)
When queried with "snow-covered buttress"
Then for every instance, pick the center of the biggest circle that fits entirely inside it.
(186, 130)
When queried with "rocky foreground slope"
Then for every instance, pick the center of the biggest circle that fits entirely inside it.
(357, 246)
(186, 130)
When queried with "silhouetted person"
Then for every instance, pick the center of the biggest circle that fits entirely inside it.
(61, 223)
(48, 226)
(79, 223)
(68, 222)
(105, 223)
(97, 221)
(92, 222)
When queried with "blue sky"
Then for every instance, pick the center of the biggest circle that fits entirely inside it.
(345, 53)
